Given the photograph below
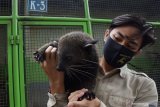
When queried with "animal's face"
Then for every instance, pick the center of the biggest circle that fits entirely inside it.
(79, 69)
(79, 62)
(69, 56)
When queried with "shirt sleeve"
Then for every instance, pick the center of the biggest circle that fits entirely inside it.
(57, 100)
(102, 104)
(147, 95)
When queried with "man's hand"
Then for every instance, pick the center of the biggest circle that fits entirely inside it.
(55, 77)
(84, 103)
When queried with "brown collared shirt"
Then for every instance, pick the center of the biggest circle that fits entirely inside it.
(121, 88)
(126, 88)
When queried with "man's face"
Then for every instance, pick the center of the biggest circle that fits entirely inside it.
(128, 36)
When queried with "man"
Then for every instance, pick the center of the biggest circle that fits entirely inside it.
(116, 86)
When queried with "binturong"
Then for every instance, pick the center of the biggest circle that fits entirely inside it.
(78, 59)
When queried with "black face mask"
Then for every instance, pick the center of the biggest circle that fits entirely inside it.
(115, 54)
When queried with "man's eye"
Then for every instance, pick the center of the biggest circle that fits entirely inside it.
(117, 38)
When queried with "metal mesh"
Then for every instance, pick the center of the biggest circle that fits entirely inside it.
(5, 7)
(35, 80)
(56, 8)
(147, 62)
(98, 34)
(4, 102)
(150, 9)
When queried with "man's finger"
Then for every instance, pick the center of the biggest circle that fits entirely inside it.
(53, 53)
(48, 52)
(76, 93)
(75, 98)
(75, 104)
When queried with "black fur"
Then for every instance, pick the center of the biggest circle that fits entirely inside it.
(78, 59)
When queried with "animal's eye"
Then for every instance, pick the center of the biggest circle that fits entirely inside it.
(68, 58)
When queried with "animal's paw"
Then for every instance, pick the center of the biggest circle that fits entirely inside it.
(89, 95)
(39, 55)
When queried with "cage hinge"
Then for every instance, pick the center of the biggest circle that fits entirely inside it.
(14, 40)
(17, 39)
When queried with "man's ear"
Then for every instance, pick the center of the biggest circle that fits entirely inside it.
(106, 35)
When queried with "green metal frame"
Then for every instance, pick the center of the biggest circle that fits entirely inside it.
(5, 17)
(15, 54)
(21, 57)
(10, 67)
(15, 25)
(9, 60)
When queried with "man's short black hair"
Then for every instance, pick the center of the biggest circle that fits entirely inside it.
(146, 29)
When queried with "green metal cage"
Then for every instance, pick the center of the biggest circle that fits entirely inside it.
(22, 81)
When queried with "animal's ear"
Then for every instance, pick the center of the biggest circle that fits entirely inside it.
(90, 44)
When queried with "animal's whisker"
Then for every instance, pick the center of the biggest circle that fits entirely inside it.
(68, 79)
(75, 75)
(83, 72)
(83, 66)
(89, 61)
(70, 76)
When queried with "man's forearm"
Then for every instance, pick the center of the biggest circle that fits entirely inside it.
(57, 88)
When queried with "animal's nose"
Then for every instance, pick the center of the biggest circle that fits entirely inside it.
(60, 68)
